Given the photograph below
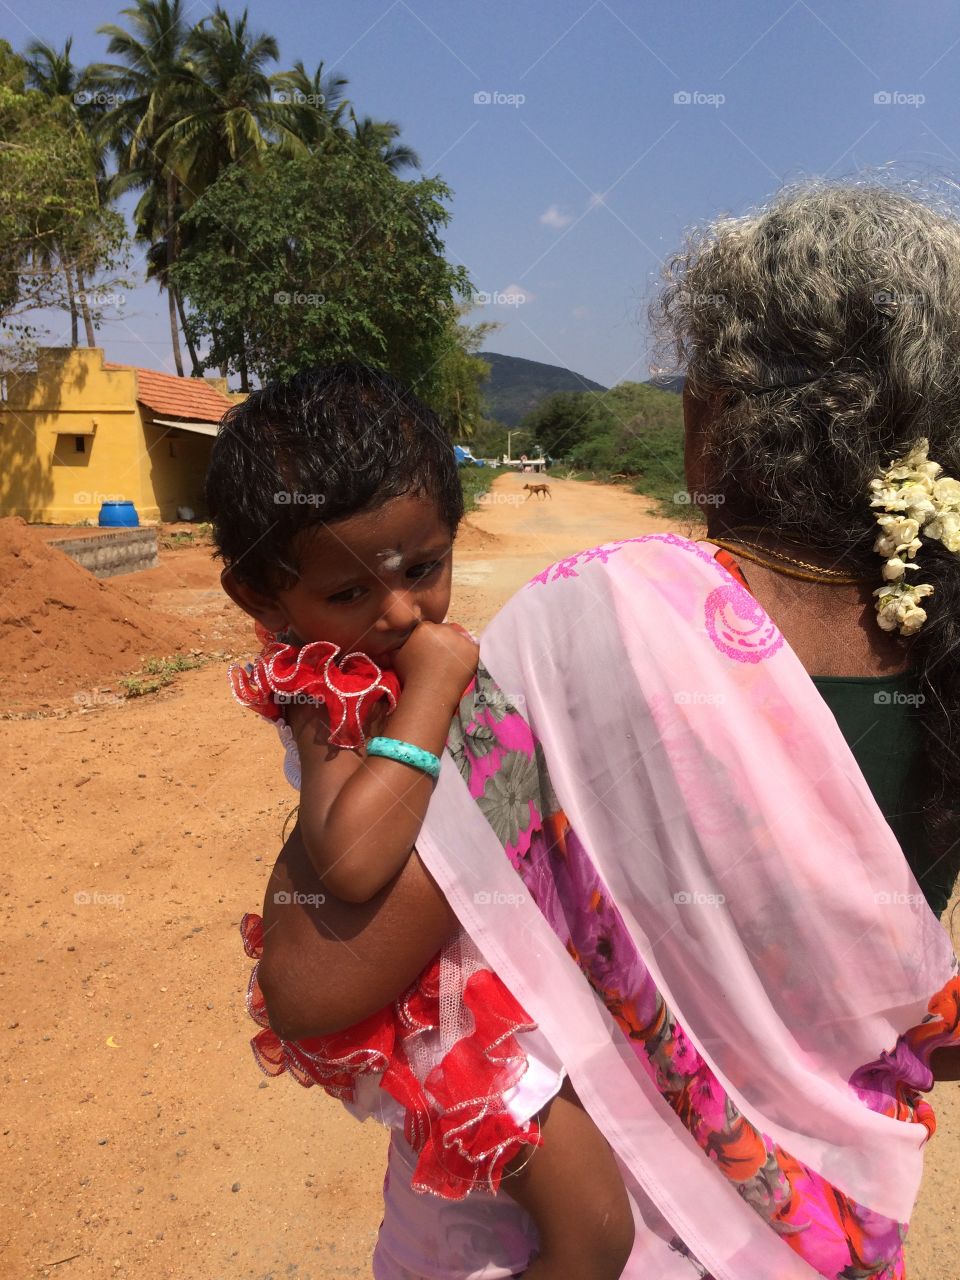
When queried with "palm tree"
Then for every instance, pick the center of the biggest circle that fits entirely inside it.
(192, 102)
(154, 86)
(53, 73)
(228, 118)
(313, 107)
(231, 116)
(379, 136)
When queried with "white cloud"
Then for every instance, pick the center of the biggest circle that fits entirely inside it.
(556, 218)
(514, 295)
(511, 295)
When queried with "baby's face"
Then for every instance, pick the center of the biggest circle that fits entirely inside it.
(368, 580)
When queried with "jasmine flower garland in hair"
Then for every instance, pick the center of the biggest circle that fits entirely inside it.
(911, 496)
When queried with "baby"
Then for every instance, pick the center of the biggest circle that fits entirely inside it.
(335, 500)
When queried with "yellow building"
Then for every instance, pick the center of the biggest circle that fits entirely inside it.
(81, 431)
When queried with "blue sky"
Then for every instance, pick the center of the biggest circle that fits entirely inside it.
(577, 169)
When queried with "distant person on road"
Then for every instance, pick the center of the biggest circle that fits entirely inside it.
(701, 808)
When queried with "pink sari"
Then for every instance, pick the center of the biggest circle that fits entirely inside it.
(644, 790)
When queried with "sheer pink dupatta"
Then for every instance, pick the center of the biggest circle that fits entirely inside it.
(768, 938)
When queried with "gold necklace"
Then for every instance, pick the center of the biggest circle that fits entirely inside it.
(804, 571)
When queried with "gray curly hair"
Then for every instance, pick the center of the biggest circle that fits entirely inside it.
(825, 325)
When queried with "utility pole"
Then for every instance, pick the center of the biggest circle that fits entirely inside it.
(510, 434)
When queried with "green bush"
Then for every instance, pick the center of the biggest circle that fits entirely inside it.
(632, 432)
(475, 481)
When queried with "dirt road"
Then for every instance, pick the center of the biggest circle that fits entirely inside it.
(139, 1138)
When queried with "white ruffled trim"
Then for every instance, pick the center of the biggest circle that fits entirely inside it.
(291, 759)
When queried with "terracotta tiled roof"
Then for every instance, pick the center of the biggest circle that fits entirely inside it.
(189, 398)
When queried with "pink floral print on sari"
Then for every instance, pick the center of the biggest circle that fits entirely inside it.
(506, 774)
(734, 621)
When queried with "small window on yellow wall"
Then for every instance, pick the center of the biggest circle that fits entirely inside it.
(80, 444)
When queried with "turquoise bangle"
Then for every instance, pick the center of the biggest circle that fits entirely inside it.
(405, 753)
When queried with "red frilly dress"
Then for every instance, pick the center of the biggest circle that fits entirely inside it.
(447, 1051)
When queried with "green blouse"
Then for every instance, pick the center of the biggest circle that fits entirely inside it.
(879, 717)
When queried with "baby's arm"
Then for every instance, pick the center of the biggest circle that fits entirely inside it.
(360, 816)
(572, 1189)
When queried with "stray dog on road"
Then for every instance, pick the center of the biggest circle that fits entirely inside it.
(541, 490)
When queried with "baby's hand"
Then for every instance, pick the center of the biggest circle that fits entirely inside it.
(306, 714)
(440, 656)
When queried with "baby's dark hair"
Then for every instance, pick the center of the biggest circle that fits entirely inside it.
(325, 444)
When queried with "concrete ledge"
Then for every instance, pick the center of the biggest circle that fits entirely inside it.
(110, 552)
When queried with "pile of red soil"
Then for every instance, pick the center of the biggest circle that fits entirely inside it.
(471, 537)
(64, 634)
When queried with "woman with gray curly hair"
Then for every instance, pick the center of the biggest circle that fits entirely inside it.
(820, 339)
(699, 807)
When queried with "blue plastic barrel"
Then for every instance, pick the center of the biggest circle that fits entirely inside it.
(119, 515)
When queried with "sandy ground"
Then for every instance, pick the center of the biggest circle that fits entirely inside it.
(139, 1139)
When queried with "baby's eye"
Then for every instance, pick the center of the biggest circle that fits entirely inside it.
(347, 596)
(424, 570)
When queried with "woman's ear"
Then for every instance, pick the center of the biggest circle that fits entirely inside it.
(265, 609)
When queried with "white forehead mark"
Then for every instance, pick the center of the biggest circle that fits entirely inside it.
(391, 559)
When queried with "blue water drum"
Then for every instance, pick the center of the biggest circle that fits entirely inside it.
(119, 515)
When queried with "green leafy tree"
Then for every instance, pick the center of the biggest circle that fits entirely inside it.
(489, 439)
(100, 243)
(561, 422)
(226, 115)
(189, 102)
(50, 213)
(324, 257)
(459, 375)
(152, 86)
(633, 431)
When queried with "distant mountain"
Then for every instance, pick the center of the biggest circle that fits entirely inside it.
(516, 386)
